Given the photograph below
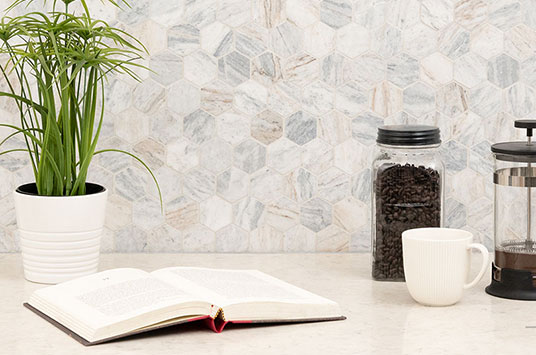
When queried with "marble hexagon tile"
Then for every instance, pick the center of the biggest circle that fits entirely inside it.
(260, 117)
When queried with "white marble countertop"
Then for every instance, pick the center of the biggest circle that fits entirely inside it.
(382, 317)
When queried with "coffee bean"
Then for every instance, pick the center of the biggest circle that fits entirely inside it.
(407, 196)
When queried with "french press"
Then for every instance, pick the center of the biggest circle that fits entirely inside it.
(514, 270)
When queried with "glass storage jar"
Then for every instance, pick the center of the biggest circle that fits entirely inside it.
(407, 192)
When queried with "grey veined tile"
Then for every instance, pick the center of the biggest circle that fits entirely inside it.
(182, 155)
(301, 185)
(387, 41)
(217, 39)
(333, 185)
(316, 214)
(419, 40)
(528, 71)
(266, 184)
(504, 13)
(233, 184)
(251, 97)
(487, 40)
(367, 69)
(216, 213)
(164, 239)
(199, 126)
(232, 239)
(148, 95)
(198, 239)
(167, 67)
(317, 156)
(266, 68)
(370, 13)
(249, 156)
(183, 39)
(130, 239)
(336, 13)
(216, 155)
(455, 214)
(332, 239)
(353, 40)
(333, 69)
(402, 70)
(251, 40)
(454, 156)
(485, 100)
(503, 71)
(351, 99)
(247, 213)
(284, 155)
(199, 184)
(520, 100)
(403, 13)
(452, 99)
(419, 99)
(183, 98)
(470, 69)
(200, 68)
(300, 127)
(234, 68)
(233, 127)
(318, 98)
(453, 41)
(481, 158)
(287, 39)
(235, 12)
(200, 12)
(520, 41)
(361, 185)
(436, 69)
(365, 127)
(130, 183)
(437, 13)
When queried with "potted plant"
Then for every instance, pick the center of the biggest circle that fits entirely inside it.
(55, 71)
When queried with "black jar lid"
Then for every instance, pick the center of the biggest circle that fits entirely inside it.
(522, 149)
(408, 135)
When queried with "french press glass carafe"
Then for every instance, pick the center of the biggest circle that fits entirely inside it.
(514, 269)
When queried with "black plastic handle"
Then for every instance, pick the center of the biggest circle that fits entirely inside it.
(527, 124)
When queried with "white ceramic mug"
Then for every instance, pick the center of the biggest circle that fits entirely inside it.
(437, 263)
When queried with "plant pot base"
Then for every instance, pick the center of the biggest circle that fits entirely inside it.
(52, 258)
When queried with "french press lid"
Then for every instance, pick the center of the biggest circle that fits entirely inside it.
(517, 151)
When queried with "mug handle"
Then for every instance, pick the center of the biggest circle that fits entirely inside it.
(485, 257)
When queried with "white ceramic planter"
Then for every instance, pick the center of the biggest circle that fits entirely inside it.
(60, 236)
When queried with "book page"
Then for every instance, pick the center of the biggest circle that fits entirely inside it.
(111, 296)
(238, 286)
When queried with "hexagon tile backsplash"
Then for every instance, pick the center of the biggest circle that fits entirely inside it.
(260, 117)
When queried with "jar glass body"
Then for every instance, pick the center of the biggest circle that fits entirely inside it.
(407, 192)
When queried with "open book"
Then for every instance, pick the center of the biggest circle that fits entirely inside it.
(121, 302)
